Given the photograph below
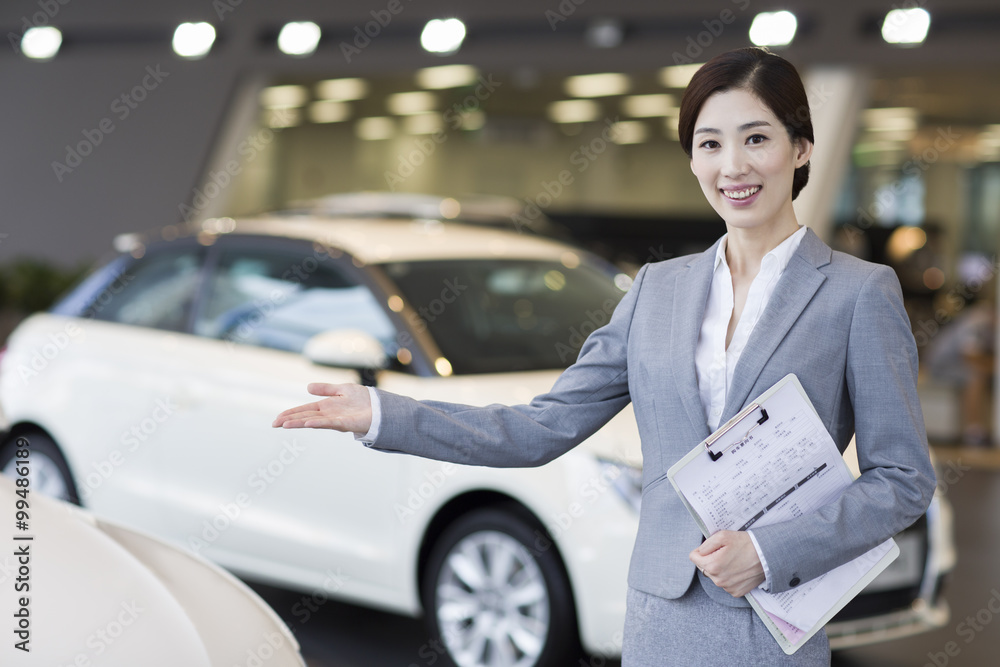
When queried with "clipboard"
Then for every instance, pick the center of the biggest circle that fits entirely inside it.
(772, 461)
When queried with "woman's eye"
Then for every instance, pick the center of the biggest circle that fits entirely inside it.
(756, 139)
(711, 143)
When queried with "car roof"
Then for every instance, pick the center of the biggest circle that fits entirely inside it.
(378, 240)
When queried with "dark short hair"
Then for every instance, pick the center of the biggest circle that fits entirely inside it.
(768, 77)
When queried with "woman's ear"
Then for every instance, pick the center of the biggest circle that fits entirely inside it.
(804, 149)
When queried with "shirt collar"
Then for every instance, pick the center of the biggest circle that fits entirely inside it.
(781, 254)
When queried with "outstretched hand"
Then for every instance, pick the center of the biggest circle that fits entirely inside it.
(729, 559)
(348, 408)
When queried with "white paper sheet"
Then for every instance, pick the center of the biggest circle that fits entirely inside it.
(786, 466)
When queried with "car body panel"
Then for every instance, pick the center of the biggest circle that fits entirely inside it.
(99, 590)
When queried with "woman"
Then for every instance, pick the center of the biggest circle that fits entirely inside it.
(695, 340)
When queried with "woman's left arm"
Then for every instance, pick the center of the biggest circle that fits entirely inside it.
(897, 479)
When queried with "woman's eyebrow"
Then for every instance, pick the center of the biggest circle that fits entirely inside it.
(742, 128)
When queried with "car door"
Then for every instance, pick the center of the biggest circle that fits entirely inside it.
(116, 389)
(258, 499)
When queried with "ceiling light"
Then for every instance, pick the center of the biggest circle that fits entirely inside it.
(41, 42)
(342, 90)
(890, 119)
(645, 106)
(629, 132)
(299, 38)
(277, 97)
(907, 27)
(773, 28)
(329, 111)
(574, 111)
(678, 76)
(374, 128)
(597, 85)
(442, 36)
(604, 33)
(446, 76)
(193, 40)
(410, 103)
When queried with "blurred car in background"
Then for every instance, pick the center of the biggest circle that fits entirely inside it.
(149, 390)
(90, 592)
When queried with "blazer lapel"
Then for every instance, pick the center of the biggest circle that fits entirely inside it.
(791, 295)
(690, 298)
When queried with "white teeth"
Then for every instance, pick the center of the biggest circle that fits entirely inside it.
(742, 194)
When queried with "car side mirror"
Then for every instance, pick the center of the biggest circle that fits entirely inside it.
(347, 348)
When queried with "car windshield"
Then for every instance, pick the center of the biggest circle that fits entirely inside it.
(501, 315)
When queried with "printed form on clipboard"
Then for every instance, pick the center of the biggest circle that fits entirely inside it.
(773, 462)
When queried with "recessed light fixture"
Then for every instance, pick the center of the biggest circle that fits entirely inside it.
(446, 76)
(329, 111)
(442, 36)
(342, 90)
(278, 97)
(404, 104)
(629, 132)
(299, 38)
(647, 106)
(193, 40)
(605, 33)
(906, 27)
(41, 42)
(890, 118)
(773, 28)
(574, 111)
(597, 85)
(678, 76)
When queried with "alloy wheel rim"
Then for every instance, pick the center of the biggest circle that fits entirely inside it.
(492, 602)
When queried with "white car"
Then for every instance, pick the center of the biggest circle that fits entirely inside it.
(150, 389)
(85, 592)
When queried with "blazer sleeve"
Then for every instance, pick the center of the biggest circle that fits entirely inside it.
(897, 478)
(584, 398)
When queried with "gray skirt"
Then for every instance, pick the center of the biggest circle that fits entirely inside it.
(694, 630)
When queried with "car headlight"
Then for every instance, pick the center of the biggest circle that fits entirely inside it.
(626, 480)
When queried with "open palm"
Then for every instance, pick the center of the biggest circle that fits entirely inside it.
(347, 408)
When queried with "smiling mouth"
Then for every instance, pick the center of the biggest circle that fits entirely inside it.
(742, 194)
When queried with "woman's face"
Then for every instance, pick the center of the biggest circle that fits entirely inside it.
(745, 160)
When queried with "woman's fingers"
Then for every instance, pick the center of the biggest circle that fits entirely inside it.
(346, 408)
(293, 413)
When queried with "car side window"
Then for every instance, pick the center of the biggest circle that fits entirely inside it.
(156, 291)
(280, 299)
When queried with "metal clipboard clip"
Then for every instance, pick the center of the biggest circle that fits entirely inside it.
(738, 419)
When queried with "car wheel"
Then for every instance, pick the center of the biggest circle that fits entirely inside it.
(48, 472)
(497, 596)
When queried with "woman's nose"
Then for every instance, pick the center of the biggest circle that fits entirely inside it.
(735, 163)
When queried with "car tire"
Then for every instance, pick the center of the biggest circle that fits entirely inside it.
(48, 471)
(496, 594)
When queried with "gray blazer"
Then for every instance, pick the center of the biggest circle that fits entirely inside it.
(835, 321)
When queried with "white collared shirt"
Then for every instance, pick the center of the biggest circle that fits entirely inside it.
(714, 362)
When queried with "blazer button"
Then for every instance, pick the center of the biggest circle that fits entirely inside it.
(794, 582)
